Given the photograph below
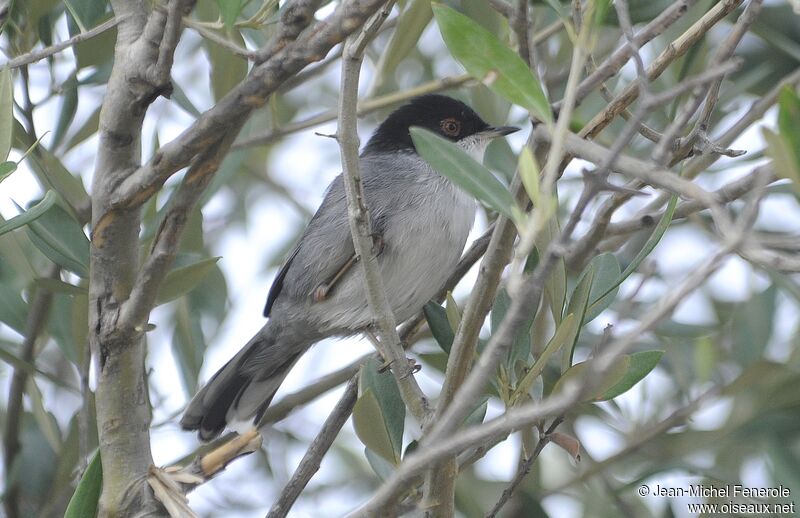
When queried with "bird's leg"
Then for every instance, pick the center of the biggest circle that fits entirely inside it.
(377, 244)
(415, 367)
(322, 291)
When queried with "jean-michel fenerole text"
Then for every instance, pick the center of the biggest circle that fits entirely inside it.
(726, 491)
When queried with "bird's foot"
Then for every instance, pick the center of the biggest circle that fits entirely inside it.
(412, 364)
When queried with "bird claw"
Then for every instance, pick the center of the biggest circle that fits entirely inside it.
(412, 363)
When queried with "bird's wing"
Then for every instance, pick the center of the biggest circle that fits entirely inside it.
(277, 284)
(324, 253)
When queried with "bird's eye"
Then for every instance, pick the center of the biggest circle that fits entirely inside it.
(450, 127)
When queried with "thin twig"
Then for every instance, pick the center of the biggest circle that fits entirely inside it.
(365, 107)
(230, 113)
(220, 40)
(640, 438)
(36, 55)
(279, 410)
(525, 468)
(358, 217)
(724, 52)
(36, 319)
(617, 60)
(310, 463)
(530, 413)
(675, 50)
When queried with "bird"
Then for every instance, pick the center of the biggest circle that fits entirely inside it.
(420, 222)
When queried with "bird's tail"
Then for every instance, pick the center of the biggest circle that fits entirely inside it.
(243, 388)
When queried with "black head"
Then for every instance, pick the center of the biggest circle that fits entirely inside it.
(443, 115)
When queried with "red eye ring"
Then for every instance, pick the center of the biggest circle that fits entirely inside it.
(450, 126)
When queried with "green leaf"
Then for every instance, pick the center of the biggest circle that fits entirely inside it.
(230, 11)
(182, 280)
(611, 379)
(564, 332)
(46, 421)
(6, 168)
(607, 271)
(53, 175)
(61, 325)
(789, 119)
(753, 322)
(32, 370)
(69, 106)
(30, 214)
(521, 346)
(639, 366)
(59, 286)
(87, 129)
(410, 25)
(379, 465)
(439, 325)
(379, 414)
(454, 163)
(452, 310)
(371, 428)
(648, 247)
(782, 158)
(6, 112)
(477, 416)
(13, 309)
(227, 69)
(529, 172)
(555, 286)
(491, 62)
(188, 344)
(58, 236)
(83, 503)
(578, 303)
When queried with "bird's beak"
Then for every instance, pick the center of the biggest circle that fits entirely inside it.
(499, 131)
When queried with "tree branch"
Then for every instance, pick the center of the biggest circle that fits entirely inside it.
(430, 452)
(365, 107)
(36, 55)
(310, 463)
(358, 217)
(280, 61)
(35, 322)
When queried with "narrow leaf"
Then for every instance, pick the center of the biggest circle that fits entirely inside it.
(648, 247)
(388, 419)
(30, 214)
(57, 235)
(182, 280)
(613, 377)
(59, 286)
(13, 308)
(439, 325)
(555, 286)
(454, 163)
(83, 503)
(607, 271)
(529, 172)
(453, 311)
(370, 426)
(229, 10)
(578, 303)
(566, 329)
(492, 62)
(639, 366)
(783, 158)
(6, 112)
(6, 168)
